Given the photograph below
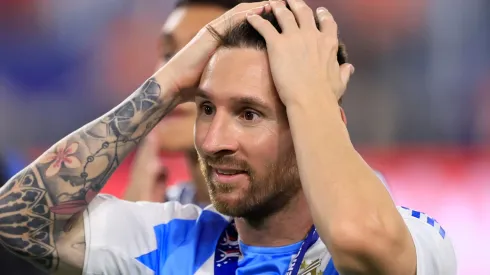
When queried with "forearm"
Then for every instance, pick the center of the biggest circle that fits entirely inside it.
(350, 206)
(45, 198)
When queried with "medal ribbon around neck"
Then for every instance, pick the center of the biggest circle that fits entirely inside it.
(228, 251)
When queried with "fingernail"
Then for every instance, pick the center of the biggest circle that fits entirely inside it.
(352, 69)
(277, 2)
(321, 9)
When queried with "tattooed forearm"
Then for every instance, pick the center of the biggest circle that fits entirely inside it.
(44, 200)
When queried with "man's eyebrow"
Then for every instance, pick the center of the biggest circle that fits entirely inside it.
(249, 101)
(252, 101)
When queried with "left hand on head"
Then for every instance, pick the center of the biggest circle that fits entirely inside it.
(303, 59)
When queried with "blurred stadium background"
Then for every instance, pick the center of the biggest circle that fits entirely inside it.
(418, 106)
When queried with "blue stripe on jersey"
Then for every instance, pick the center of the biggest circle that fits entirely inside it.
(330, 269)
(442, 232)
(431, 221)
(416, 214)
(183, 246)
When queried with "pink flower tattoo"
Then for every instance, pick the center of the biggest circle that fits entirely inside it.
(62, 156)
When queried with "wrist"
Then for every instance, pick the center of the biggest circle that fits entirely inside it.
(318, 115)
(169, 90)
(311, 98)
(322, 104)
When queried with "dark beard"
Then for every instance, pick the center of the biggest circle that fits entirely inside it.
(265, 196)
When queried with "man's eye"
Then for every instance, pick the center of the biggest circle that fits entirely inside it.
(207, 110)
(250, 115)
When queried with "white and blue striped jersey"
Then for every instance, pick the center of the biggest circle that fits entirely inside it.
(170, 238)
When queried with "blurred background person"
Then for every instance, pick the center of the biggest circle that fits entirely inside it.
(417, 107)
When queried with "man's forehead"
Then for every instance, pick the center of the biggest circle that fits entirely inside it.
(238, 71)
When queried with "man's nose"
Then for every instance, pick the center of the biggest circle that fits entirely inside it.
(220, 138)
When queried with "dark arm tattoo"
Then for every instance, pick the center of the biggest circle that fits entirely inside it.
(44, 200)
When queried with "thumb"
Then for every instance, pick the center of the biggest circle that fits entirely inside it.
(346, 70)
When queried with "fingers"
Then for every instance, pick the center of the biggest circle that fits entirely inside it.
(288, 19)
(238, 14)
(262, 26)
(245, 7)
(284, 16)
(329, 29)
(346, 70)
(303, 13)
(328, 25)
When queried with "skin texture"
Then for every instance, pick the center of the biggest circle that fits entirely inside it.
(242, 126)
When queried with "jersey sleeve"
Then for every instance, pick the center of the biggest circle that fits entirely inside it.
(435, 252)
(121, 235)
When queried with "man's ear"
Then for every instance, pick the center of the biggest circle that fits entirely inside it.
(342, 114)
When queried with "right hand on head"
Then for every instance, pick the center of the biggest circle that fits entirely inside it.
(185, 68)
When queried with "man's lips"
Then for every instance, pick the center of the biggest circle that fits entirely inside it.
(227, 175)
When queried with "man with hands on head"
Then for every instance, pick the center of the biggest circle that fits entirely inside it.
(149, 179)
(289, 193)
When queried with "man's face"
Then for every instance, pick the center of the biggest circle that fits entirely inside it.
(175, 132)
(242, 136)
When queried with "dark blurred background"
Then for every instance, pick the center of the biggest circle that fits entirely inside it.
(418, 106)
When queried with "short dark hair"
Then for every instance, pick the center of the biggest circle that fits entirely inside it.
(244, 35)
(225, 4)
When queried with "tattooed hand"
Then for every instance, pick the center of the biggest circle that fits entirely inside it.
(185, 68)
